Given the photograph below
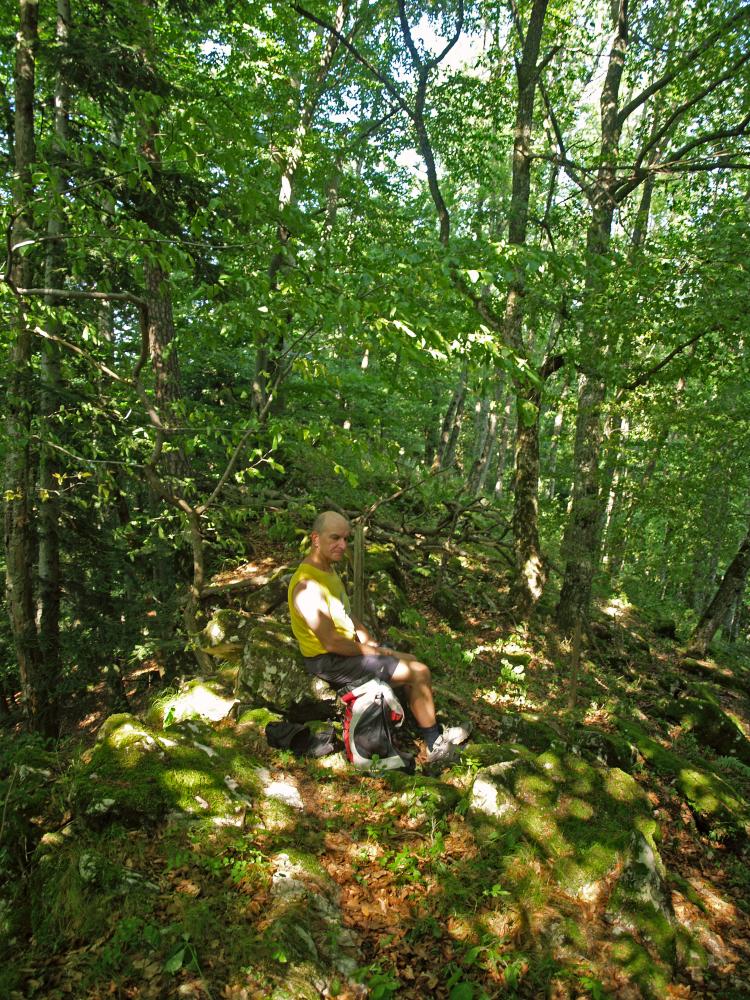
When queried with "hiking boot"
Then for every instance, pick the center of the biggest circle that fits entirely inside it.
(442, 755)
(457, 734)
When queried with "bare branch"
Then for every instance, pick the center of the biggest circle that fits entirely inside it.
(659, 134)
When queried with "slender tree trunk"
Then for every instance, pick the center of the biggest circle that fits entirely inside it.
(581, 544)
(730, 589)
(614, 471)
(488, 438)
(503, 446)
(37, 686)
(49, 506)
(451, 421)
(553, 451)
(531, 572)
(271, 339)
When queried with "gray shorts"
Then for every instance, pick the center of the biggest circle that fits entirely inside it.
(349, 671)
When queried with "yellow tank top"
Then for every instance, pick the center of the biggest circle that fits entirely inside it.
(337, 603)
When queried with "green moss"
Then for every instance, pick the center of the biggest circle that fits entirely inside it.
(638, 963)
(138, 775)
(257, 718)
(485, 754)
(710, 797)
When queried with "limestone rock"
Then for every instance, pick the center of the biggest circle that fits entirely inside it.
(200, 699)
(272, 675)
(306, 925)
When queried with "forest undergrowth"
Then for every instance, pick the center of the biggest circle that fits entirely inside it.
(431, 904)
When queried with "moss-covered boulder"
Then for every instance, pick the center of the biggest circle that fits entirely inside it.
(716, 806)
(445, 603)
(710, 724)
(304, 929)
(419, 797)
(583, 830)
(528, 729)
(225, 634)
(137, 775)
(604, 747)
(273, 675)
(198, 698)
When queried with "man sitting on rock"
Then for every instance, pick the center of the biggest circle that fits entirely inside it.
(342, 651)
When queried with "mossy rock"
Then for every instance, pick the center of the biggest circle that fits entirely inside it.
(272, 675)
(578, 816)
(478, 755)
(572, 827)
(136, 775)
(421, 797)
(198, 698)
(707, 721)
(712, 671)
(640, 901)
(304, 924)
(225, 634)
(444, 602)
(528, 729)
(611, 749)
(515, 655)
(713, 801)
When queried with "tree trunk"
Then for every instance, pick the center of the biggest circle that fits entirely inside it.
(730, 589)
(503, 446)
(614, 471)
(581, 544)
(36, 684)
(488, 438)
(271, 340)
(49, 505)
(531, 573)
(451, 422)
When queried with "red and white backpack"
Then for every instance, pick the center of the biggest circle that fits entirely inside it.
(372, 712)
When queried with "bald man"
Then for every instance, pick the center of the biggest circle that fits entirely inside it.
(342, 651)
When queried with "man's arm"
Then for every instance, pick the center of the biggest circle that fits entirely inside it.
(310, 602)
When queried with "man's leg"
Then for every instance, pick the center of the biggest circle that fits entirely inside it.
(417, 680)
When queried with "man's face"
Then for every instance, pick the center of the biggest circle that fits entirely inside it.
(333, 540)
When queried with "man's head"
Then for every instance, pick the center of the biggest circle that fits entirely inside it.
(330, 536)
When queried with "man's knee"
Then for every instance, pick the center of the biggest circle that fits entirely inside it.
(420, 673)
(412, 672)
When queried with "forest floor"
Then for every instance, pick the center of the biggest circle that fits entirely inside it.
(427, 901)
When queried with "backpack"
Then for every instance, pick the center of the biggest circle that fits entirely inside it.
(371, 711)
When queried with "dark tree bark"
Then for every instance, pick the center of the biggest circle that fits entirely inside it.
(730, 589)
(49, 506)
(36, 683)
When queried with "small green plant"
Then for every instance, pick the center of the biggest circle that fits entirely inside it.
(513, 675)
(381, 984)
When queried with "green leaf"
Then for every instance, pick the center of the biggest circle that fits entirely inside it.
(174, 962)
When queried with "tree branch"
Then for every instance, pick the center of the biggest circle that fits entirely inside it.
(686, 61)
(645, 376)
(380, 77)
